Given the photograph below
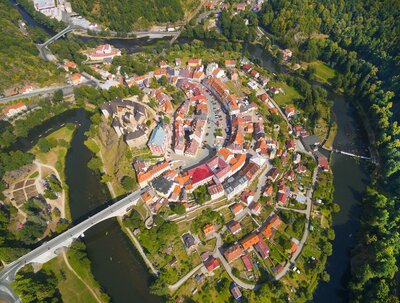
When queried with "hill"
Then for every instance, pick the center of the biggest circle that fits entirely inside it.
(19, 58)
(125, 15)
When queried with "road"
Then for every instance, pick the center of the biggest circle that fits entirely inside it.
(182, 280)
(8, 273)
(67, 89)
(306, 230)
(228, 268)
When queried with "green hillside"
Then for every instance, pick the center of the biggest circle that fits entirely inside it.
(124, 15)
(19, 58)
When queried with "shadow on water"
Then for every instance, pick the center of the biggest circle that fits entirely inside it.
(115, 262)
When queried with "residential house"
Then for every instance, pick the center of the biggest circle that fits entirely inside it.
(272, 226)
(235, 185)
(212, 264)
(216, 191)
(290, 111)
(236, 209)
(247, 197)
(247, 263)
(76, 79)
(273, 174)
(14, 109)
(230, 63)
(255, 208)
(209, 230)
(189, 242)
(249, 241)
(261, 247)
(234, 227)
(233, 253)
(235, 291)
(103, 52)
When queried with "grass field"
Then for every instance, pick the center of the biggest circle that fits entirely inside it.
(332, 134)
(289, 95)
(56, 157)
(323, 72)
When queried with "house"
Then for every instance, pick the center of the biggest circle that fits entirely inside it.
(163, 186)
(178, 61)
(232, 253)
(261, 247)
(247, 263)
(200, 175)
(233, 75)
(69, 65)
(323, 162)
(104, 52)
(247, 67)
(235, 185)
(263, 81)
(208, 230)
(253, 85)
(295, 245)
(247, 197)
(212, 264)
(282, 198)
(160, 139)
(255, 208)
(273, 174)
(290, 145)
(189, 242)
(249, 241)
(76, 79)
(290, 111)
(194, 63)
(234, 227)
(272, 226)
(274, 90)
(236, 293)
(210, 68)
(220, 168)
(14, 109)
(300, 168)
(230, 63)
(254, 74)
(153, 172)
(241, 6)
(199, 278)
(216, 191)
(225, 154)
(163, 64)
(236, 209)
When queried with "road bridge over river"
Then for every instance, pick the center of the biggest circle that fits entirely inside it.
(50, 249)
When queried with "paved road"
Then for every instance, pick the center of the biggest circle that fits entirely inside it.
(306, 230)
(67, 89)
(182, 280)
(228, 268)
(8, 273)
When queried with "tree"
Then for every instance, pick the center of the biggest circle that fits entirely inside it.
(58, 96)
(128, 183)
(44, 145)
(95, 164)
(178, 208)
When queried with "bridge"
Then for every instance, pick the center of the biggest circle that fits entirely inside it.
(351, 155)
(50, 249)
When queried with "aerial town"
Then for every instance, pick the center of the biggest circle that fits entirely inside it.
(198, 151)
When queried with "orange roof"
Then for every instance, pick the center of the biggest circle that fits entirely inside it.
(232, 253)
(240, 159)
(197, 75)
(236, 208)
(6, 109)
(275, 223)
(250, 240)
(146, 197)
(76, 76)
(224, 153)
(208, 229)
(230, 62)
(239, 138)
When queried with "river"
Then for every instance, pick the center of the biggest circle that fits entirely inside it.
(119, 268)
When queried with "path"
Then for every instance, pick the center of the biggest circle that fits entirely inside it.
(56, 173)
(228, 268)
(306, 230)
(178, 284)
(76, 274)
(140, 250)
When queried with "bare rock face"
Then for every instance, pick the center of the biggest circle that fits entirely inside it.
(107, 134)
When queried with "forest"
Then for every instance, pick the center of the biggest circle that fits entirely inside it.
(20, 63)
(125, 15)
(360, 39)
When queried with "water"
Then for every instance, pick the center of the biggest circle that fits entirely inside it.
(118, 267)
(115, 263)
(350, 179)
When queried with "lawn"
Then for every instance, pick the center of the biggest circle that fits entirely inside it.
(289, 93)
(71, 288)
(56, 157)
(331, 138)
(323, 72)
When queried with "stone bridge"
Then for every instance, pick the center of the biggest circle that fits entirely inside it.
(50, 249)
